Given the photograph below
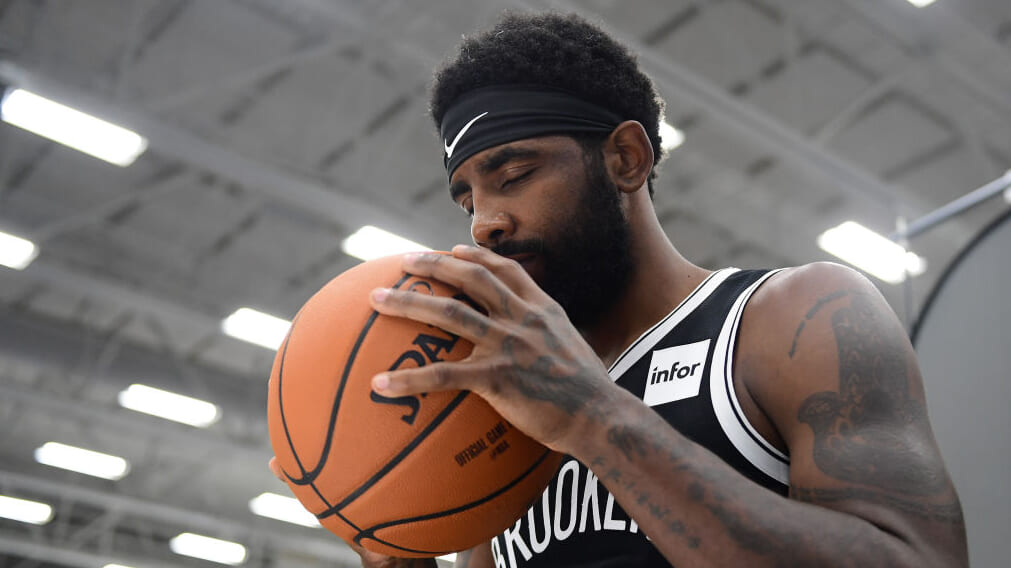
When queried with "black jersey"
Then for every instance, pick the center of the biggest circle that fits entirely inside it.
(681, 367)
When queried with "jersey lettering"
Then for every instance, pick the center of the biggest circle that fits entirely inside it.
(556, 517)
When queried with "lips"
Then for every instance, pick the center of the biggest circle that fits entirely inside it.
(531, 263)
(524, 258)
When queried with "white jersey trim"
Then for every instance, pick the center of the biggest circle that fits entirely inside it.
(748, 441)
(650, 337)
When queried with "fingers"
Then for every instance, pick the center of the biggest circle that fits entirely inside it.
(509, 271)
(430, 378)
(275, 468)
(492, 281)
(449, 314)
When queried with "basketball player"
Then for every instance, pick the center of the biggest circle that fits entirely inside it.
(713, 418)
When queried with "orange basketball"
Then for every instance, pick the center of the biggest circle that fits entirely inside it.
(411, 476)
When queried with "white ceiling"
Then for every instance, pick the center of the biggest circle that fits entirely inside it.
(277, 129)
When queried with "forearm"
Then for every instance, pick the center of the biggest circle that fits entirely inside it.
(698, 511)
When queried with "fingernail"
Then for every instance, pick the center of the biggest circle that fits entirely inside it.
(463, 248)
(380, 382)
(380, 294)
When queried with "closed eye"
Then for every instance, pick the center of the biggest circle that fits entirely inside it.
(519, 178)
(467, 206)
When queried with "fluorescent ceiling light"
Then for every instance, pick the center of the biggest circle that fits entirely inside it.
(256, 327)
(81, 460)
(25, 511)
(921, 3)
(71, 127)
(871, 252)
(15, 252)
(372, 242)
(282, 508)
(169, 405)
(207, 548)
(116, 566)
(670, 137)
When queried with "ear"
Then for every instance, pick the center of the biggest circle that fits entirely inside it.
(628, 156)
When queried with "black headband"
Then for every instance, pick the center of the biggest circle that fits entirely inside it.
(490, 116)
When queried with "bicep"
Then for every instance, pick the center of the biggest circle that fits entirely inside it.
(847, 397)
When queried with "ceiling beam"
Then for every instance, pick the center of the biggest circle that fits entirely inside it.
(941, 36)
(57, 347)
(281, 185)
(77, 282)
(755, 125)
(324, 547)
(75, 558)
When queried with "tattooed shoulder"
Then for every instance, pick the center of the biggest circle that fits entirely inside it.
(868, 430)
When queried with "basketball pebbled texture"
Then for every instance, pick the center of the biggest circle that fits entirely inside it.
(411, 476)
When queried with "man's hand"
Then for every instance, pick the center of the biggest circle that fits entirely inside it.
(528, 361)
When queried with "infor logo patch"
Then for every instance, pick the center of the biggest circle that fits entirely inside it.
(675, 373)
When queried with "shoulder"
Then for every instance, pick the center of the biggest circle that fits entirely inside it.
(792, 289)
(797, 324)
(777, 315)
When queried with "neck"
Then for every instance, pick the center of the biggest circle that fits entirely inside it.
(661, 280)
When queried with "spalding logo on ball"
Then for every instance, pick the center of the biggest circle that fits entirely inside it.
(410, 476)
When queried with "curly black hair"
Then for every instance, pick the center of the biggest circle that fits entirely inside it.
(562, 51)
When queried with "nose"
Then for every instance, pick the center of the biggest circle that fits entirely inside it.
(488, 228)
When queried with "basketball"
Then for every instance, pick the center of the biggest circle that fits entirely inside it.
(411, 476)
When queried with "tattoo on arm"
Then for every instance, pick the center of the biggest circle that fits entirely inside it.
(547, 379)
(810, 314)
(626, 440)
(570, 392)
(862, 432)
(656, 510)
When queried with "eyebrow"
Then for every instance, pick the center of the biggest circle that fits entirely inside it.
(504, 156)
(492, 163)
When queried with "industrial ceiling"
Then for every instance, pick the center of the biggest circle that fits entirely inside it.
(276, 129)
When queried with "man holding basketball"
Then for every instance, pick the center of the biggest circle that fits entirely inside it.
(727, 418)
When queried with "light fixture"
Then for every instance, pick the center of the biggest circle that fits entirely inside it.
(207, 548)
(670, 137)
(25, 511)
(169, 405)
(71, 127)
(449, 557)
(871, 252)
(15, 252)
(371, 242)
(282, 508)
(116, 566)
(81, 460)
(920, 3)
(256, 327)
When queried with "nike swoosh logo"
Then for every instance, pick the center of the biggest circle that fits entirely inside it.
(451, 147)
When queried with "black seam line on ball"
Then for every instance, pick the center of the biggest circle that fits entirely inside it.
(443, 414)
(370, 532)
(309, 477)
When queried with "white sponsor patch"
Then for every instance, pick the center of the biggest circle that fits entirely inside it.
(675, 373)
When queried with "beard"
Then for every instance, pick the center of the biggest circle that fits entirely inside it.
(587, 259)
